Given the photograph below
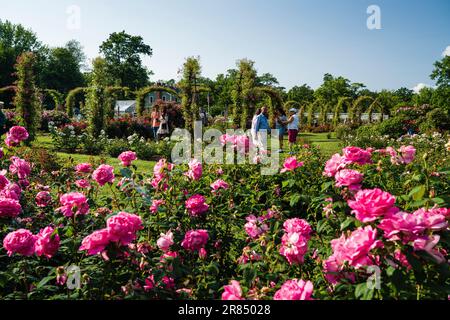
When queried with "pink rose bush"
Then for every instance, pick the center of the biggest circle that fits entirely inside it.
(200, 231)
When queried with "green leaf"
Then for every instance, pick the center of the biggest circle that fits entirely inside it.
(294, 199)
(417, 193)
(347, 223)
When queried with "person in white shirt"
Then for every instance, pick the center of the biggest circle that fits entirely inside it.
(253, 129)
(293, 127)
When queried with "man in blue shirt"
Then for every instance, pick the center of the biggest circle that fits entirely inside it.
(262, 128)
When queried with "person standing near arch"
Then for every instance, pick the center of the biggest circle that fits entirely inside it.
(293, 128)
(155, 115)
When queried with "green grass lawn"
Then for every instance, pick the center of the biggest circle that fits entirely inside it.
(45, 141)
(328, 147)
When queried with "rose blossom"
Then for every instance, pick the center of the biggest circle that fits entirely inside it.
(155, 205)
(95, 242)
(127, 158)
(74, 202)
(83, 184)
(195, 170)
(349, 178)
(219, 184)
(15, 135)
(356, 155)
(196, 205)
(293, 247)
(3, 182)
(371, 204)
(122, 227)
(232, 291)
(408, 154)
(83, 168)
(11, 191)
(9, 208)
(20, 167)
(43, 199)
(255, 226)
(290, 164)
(297, 225)
(295, 290)
(104, 174)
(194, 240)
(20, 242)
(333, 165)
(46, 245)
(165, 241)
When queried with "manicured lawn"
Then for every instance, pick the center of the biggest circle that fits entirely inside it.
(328, 146)
(46, 142)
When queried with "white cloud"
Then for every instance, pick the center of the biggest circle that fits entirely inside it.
(446, 52)
(420, 86)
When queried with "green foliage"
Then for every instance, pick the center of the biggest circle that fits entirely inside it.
(244, 84)
(122, 54)
(74, 99)
(441, 72)
(27, 100)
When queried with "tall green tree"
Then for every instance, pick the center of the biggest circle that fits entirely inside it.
(441, 72)
(96, 98)
(303, 94)
(123, 53)
(15, 39)
(63, 68)
(191, 72)
(27, 102)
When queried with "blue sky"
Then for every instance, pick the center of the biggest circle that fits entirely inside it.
(298, 41)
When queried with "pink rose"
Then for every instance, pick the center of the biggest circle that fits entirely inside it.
(11, 191)
(3, 182)
(20, 167)
(9, 208)
(295, 290)
(349, 178)
(194, 240)
(297, 225)
(83, 168)
(122, 227)
(356, 155)
(333, 165)
(371, 204)
(232, 291)
(165, 241)
(73, 203)
(255, 227)
(95, 242)
(46, 245)
(195, 170)
(219, 184)
(83, 184)
(104, 174)
(196, 205)
(408, 154)
(20, 242)
(356, 248)
(15, 135)
(290, 164)
(43, 199)
(294, 247)
(127, 158)
(155, 205)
